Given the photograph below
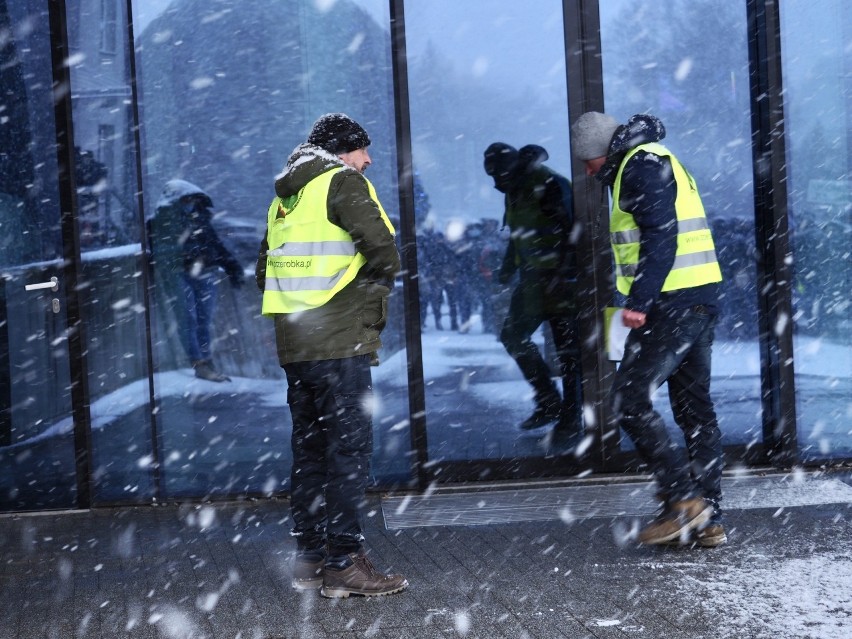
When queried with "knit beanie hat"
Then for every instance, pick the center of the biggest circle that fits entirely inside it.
(591, 135)
(500, 158)
(338, 133)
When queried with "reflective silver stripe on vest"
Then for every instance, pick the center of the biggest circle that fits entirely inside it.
(692, 224)
(306, 249)
(625, 237)
(681, 261)
(291, 284)
(683, 226)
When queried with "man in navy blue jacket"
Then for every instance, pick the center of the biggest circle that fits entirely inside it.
(666, 266)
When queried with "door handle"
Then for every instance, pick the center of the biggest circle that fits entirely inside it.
(53, 285)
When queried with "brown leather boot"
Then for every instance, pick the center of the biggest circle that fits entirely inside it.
(677, 521)
(360, 578)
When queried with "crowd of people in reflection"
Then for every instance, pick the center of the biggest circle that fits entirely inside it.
(458, 277)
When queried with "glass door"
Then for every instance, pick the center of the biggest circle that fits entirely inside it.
(711, 137)
(818, 110)
(489, 130)
(37, 448)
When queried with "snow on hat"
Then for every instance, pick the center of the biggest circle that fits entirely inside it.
(591, 135)
(176, 189)
(338, 133)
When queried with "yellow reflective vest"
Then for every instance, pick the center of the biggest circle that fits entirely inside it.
(309, 258)
(695, 262)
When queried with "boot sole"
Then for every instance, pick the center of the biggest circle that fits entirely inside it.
(692, 542)
(343, 593)
(712, 542)
(695, 522)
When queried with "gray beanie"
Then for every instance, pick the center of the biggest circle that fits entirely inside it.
(591, 135)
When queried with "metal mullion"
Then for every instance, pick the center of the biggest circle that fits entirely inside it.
(774, 275)
(63, 113)
(411, 288)
(157, 478)
(595, 284)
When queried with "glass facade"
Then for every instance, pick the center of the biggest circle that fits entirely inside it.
(470, 89)
(216, 114)
(176, 391)
(672, 59)
(818, 108)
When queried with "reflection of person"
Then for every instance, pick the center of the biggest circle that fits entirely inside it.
(425, 279)
(490, 257)
(666, 265)
(539, 214)
(187, 253)
(439, 272)
(326, 268)
(89, 173)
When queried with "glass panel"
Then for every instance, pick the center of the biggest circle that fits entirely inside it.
(480, 73)
(113, 264)
(818, 119)
(37, 468)
(222, 108)
(670, 58)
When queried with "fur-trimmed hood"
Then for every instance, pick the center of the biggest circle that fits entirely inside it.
(305, 163)
(640, 129)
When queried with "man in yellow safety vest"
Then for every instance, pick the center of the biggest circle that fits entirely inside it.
(326, 267)
(667, 270)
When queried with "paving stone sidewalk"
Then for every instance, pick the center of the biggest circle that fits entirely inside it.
(222, 570)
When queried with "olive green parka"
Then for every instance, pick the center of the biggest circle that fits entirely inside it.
(351, 322)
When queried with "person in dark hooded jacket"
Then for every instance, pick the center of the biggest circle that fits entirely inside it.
(187, 255)
(539, 212)
(666, 267)
(326, 267)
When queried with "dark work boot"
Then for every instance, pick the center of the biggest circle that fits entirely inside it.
(545, 412)
(570, 424)
(568, 432)
(204, 370)
(357, 576)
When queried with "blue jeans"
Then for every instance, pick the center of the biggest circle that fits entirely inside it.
(196, 314)
(332, 444)
(674, 348)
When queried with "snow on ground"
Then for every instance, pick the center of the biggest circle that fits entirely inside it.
(767, 597)
(735, 365)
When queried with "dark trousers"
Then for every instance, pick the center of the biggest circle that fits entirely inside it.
(524, 317)
(332, 443)
(673, 348)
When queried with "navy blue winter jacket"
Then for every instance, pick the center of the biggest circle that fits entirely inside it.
(648, 192)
